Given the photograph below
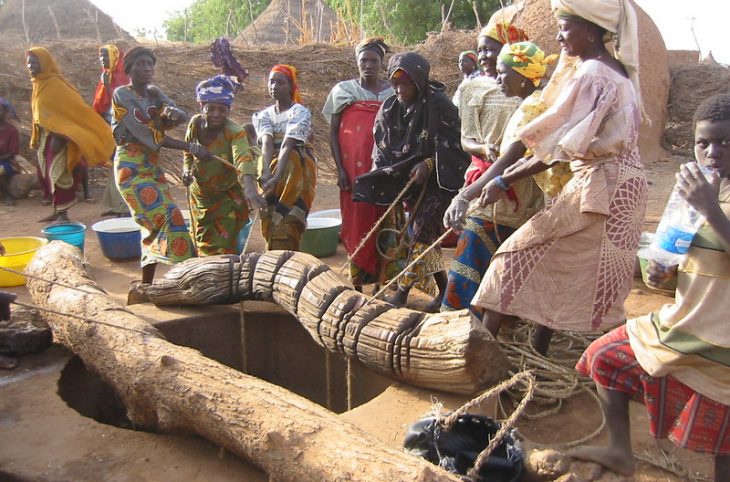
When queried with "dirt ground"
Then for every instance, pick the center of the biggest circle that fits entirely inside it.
(578, 417)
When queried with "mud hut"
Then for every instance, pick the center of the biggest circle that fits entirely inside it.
(56, 21)
(290, 22)
(536, 18)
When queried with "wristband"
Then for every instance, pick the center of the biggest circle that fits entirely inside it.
(461, 199)
(499, 181)
(193, 148)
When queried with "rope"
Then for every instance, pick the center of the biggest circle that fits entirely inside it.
(82, 318)
(376, 225)
(410, 265)
(526, 378)
(349, 383)
(244, 340)
(99, 291)
(557, 379)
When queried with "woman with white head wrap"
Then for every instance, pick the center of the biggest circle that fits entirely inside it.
(570, 266)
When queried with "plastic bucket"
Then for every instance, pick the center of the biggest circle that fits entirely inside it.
(18, 253)
(321, 237)
(120, 238)
(243, 236)
(68, 232)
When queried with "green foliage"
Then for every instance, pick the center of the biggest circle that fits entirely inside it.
(402, 21)
(205, 20)
(408, 21)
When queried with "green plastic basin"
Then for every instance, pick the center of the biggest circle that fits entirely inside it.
(321, 237)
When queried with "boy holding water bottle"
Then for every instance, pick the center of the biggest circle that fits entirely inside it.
(677, 360)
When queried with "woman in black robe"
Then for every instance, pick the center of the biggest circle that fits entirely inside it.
(417, 136)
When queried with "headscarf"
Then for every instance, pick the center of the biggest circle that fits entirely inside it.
(503, 32)
(617, 17)
(222, 57)
(117, 78)
(471, 55)
(9, 108)
(58, 107)
(526, 59)
(376, 44)
(405, 136)
(216, 89)
(291, 72)
(133, 54)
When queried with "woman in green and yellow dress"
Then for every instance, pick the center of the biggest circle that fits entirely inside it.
(141, 114)
(224, 188)
(288, 167)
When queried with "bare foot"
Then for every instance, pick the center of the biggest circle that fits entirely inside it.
(619, 461)
(397, 299)
(46, 202)
(435, 305)
(50, 218)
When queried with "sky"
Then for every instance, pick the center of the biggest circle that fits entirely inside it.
(674, 18)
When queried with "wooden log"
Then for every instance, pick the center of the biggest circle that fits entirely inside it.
(444, 351)
(175, 389)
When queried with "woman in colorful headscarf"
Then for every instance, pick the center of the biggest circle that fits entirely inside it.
(66, 132)
(483, 108)
(141, 115)
(350, 108)
(416, 137)
(520, 69)
(288, 168)
(223, 188)
(570, 266)
(112, 76)
(9, 148)
(469, 67)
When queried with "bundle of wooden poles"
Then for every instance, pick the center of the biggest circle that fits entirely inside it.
(446, 351)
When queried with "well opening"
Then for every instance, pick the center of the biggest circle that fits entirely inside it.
(269, 342)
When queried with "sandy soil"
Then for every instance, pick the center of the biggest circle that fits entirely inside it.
(579, 416)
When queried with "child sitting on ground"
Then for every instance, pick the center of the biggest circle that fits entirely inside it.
(677, 360)
(9, 146)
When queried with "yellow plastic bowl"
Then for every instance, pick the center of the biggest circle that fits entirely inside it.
(18, 253)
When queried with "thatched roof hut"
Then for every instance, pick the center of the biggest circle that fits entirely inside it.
(57, 20)
(290, 22)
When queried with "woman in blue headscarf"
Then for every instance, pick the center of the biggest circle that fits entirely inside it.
(223, 189)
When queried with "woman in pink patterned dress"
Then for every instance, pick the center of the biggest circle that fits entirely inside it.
(570, 266)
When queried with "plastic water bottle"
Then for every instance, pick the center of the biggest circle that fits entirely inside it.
(677, 227)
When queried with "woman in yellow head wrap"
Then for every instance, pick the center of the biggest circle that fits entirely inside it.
(520, 69)
(66, 131)
(483, 109)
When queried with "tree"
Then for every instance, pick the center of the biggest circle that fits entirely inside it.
(205, 20)
(409, 21)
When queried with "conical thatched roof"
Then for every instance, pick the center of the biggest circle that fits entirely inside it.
(290, 22)
(37, 21)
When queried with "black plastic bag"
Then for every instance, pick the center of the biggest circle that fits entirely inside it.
(457, 449)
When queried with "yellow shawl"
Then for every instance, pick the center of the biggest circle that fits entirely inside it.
(58, 108)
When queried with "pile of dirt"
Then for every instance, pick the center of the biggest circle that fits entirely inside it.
(57, 20)
(289, 22)
(691, 84)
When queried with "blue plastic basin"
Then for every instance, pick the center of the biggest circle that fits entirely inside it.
(70, 232)
(120, 238)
